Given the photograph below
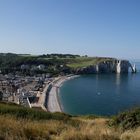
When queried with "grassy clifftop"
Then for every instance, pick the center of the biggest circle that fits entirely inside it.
(80, 62)
(19, 123)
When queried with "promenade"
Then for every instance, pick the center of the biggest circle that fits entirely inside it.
(53, 101)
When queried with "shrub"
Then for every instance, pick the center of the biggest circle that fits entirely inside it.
(127, 120)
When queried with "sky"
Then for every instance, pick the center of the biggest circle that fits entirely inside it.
(86, 27)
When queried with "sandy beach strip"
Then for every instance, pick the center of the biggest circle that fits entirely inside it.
(54, 104)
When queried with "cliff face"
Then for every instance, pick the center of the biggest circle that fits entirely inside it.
(122, 66)
(114, 66)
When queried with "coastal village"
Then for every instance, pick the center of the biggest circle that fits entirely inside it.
(34, 82)
(29, 80)
(29, 83)
(22, 90)
(38, 92)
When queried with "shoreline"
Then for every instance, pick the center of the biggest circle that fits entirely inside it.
(54, 104)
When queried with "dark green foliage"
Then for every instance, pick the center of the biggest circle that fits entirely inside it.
(26, 113)
(11, 63)
(1, 94)
(91, 117)
(127, 120)
(59, 56)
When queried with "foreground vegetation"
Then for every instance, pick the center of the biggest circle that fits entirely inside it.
(127, 120)
(19, 123)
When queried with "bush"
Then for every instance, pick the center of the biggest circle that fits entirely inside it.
(127, 120)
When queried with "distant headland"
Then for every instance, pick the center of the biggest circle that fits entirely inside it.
(61, 64)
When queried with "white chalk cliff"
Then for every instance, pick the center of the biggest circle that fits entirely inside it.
(108, 66)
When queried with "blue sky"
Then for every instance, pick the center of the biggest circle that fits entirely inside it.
(93, 27)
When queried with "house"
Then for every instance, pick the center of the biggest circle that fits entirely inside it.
(41, 67)
(24, 67)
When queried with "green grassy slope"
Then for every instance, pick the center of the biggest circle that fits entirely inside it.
(23, 112)
(19, 123)
(87, 61)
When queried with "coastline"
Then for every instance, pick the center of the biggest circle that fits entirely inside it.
(54, 104)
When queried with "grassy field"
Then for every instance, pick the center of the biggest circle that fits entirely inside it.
(79, 62)
(29, 124)
(86, 61)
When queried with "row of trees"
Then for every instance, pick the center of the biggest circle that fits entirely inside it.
(59, 56)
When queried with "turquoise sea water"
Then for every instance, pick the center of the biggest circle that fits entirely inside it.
(104, 94)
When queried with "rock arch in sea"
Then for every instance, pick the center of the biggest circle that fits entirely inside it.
(108, 66)
(123, 66)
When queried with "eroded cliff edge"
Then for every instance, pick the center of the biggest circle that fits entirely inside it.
(107, 66)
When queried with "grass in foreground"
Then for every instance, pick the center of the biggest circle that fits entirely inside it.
(12, 128)
(25, 113)
(35, 126)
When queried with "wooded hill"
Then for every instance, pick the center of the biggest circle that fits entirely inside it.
(54, 63)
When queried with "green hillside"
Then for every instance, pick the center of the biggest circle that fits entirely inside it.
(19, 123)
(54, 63)
(86, 61)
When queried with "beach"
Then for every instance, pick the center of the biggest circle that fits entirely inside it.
(53, 104)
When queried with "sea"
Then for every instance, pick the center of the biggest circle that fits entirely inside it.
(101, 94)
